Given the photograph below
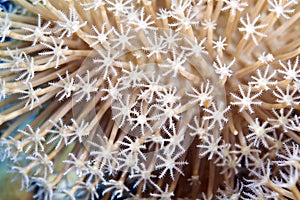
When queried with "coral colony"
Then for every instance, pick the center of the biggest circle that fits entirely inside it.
(151, 99)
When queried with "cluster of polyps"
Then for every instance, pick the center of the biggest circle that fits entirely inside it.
(151, 99)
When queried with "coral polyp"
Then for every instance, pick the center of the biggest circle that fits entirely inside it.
(146, 99)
